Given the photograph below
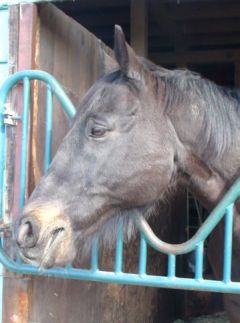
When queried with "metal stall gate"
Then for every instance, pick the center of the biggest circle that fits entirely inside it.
(8, 118)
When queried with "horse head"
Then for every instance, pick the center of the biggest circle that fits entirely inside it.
(118, 157)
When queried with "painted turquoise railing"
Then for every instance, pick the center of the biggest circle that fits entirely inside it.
(147, 237)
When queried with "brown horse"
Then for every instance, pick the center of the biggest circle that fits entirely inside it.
(139, 131)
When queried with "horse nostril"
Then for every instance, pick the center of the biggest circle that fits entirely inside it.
(27, 234)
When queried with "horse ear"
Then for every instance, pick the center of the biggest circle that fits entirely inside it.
(107, 63)
(125, 55)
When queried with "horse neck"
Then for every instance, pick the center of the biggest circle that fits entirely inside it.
(206, 185)
(207, 176)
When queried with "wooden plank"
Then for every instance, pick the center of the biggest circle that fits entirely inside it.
(139, 27)
(214, 39)
(67, 51)
(207, 56)
(211, 26)
(200, 10)
(100, 4)
(13, 38)
(171, 28)
(202, 40)
(237, 73)
(98, 18)
(22, 35)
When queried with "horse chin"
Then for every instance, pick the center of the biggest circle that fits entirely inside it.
(95, 225)
(106, 229)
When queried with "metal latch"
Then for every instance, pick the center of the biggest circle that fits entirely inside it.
(10, 118)
(5, 229)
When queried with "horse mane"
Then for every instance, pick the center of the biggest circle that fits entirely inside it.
(219, 105)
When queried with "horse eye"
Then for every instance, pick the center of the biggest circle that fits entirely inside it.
(98, 132)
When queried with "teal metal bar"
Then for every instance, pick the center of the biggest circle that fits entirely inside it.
(142, 255)
(171, 266)
(48, 129)
(4, 91)
(202, 233)
(119, 247)
(122, 278)
(199, 261)
(94, 255)
(24, 150)
(41, 76)
(227, 261)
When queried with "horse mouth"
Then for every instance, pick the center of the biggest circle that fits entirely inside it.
(48, 252)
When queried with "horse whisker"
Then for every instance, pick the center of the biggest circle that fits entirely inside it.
(51, 246)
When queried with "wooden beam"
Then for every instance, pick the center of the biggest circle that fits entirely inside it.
(213, 39)
(161, 21)
(99, 18)
(23, 22)
(139, 27)
(211, 26)
(237, 73)
(208, 56)
(198, 10)
(202, 40)
(86, 4)
(166, 23)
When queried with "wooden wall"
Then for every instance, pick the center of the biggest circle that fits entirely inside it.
(69, 52)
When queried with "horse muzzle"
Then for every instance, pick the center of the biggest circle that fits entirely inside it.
(44, 237)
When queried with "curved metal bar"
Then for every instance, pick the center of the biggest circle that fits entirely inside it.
(41, 76)
(206, 228)
(25, 76)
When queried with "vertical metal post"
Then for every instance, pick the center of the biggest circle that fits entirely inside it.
(142, 255)
(119, 247)
(227, 261)
(94, 255)
(171, 266)
(24, 150)
(48, 129)
(199, 261)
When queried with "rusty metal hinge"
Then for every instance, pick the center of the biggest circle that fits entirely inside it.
(10, 118)
(5, 229)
